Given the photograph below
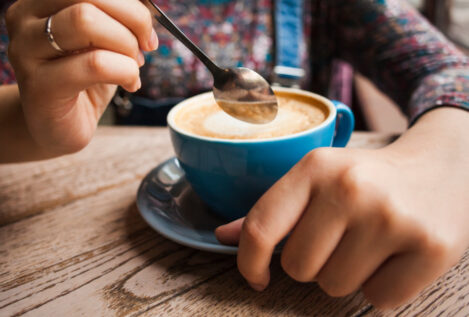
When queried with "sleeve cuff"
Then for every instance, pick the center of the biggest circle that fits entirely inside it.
(448, 88)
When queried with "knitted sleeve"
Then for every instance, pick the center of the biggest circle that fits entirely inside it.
(407, 58)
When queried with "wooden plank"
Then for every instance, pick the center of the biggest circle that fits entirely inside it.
(72, 243)
(116, 156)
(87, 256)
(229, 295)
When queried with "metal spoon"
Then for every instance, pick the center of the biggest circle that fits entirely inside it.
(240, 92)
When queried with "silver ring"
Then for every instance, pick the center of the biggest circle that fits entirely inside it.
(50, 36)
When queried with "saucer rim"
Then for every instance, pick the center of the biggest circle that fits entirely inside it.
(153, 221)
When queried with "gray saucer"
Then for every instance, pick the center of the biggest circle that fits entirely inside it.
(169, 205)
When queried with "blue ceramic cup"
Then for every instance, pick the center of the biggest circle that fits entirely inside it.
(231, 175)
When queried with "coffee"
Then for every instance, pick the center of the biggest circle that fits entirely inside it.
(296, 113)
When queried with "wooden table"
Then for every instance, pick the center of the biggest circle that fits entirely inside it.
(73, 243)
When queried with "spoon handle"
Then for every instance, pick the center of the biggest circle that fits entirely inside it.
(171, 27)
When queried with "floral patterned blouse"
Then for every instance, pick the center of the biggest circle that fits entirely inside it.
(386, 40)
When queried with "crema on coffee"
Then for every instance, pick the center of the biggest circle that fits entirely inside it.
(296, 113)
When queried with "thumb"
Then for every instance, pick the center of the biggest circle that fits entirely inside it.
(229, 234)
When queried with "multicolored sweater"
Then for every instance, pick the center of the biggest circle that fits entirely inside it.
(386, 40)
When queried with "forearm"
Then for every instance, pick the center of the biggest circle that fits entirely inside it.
(16, 142)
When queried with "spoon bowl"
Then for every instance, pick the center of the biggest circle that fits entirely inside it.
(240, 92)
(246, 95)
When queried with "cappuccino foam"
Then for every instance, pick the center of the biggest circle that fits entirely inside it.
(296, 113)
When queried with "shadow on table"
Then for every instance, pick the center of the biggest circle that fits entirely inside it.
(168, 279)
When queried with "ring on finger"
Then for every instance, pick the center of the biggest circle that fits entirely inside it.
(50, 36)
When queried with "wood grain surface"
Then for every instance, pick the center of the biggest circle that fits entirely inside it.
(72, 243)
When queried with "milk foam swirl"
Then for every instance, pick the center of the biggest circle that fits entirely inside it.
(295, 114)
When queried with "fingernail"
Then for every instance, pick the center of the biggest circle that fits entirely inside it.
(140, 59)
(257, 287)
(220, 227)
(139, 84)
(153, 43)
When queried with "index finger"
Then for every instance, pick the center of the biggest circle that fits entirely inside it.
(270, 220)
(131, 13)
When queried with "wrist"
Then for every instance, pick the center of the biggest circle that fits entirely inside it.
(432, 163)
(442, 132)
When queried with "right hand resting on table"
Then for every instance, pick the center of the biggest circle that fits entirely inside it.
(64, 94)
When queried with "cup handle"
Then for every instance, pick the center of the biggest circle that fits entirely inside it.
(345, 124)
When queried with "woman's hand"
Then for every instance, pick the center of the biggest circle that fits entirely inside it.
(64, 95)
(389, 221)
